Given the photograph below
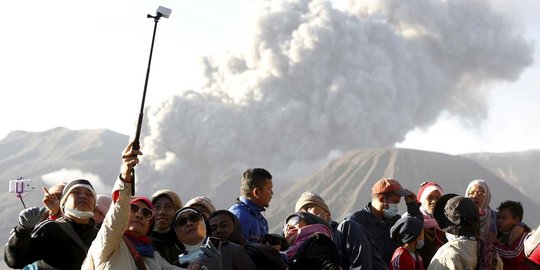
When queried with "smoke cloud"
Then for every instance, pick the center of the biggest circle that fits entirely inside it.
(318, 80)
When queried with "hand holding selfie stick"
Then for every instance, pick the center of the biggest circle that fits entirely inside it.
(161, 12)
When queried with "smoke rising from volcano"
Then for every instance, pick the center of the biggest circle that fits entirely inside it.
(318, 79)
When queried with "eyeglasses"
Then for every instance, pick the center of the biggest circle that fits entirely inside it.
(476, 192)
(193, 217)
(293, 221)
(146, 212)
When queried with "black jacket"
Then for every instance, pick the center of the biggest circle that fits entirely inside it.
(317, 252)
(167, 245)
(49, 245)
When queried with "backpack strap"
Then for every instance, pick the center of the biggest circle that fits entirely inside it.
(136, 256)
(68, 229)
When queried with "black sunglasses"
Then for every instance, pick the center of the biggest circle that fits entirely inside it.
(193, 217)
(146, 212)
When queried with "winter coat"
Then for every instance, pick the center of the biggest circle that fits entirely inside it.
(254, 225)
(461, 254)
(380, 229)
(167, 246)
(235, 257)
(109, 251)
(355, 246)
(316, 250)
(513, 254)
(49, 245)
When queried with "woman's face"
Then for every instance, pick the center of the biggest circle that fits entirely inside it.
(164, 209)
(140, 217)
(292, 228)
(477, 195)
(190, 228)
(430, 200)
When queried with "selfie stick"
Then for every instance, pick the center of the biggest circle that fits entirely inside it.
(161, 12)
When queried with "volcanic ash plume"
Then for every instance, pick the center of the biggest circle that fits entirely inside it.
(318, 79)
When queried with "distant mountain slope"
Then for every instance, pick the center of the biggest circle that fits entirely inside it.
(519, 169)
(346, 182)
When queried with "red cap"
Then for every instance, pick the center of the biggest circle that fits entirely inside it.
(387, 185)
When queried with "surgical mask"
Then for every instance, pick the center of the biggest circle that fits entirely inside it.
(420, 244)
(78, 213)
(392, 210)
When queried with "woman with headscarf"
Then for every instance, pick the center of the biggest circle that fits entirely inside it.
(480, 194)
(123, 240)
(193, 231)
(310, 239)
(428, 194)
(458, 217)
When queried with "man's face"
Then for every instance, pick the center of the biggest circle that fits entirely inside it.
(82, 199)
(264, 195)
(505, 221)
(164, 211)
(222, 226)
(430, 200)
(316, 210)
(139, 224)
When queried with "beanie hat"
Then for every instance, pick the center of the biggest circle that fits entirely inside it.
(457, 215)
(426, 188)
(171, 195)
(407, 229)
(531, 246)
(204, 201)
(103, 203)
(72, 185)
(309, 197)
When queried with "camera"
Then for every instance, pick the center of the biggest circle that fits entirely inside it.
(20, 186)
(165, 12)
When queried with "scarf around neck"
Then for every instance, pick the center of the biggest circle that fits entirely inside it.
(143, 244)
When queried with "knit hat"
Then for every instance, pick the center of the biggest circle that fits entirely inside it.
(387, 185)
(171, 195)
(103, 203)
(457, 215)
(203, 201)
(426, 188)
(72, 185)
(407, 229)
(309, 197)
(531, 246)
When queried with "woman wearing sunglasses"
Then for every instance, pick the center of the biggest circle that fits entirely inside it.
(193, 231)
(310, 239)
(122, 241)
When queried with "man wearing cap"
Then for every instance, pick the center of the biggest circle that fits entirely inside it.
(58, 244)
(355, 246)
(382, 213)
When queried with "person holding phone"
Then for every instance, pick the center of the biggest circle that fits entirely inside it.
(193, 231)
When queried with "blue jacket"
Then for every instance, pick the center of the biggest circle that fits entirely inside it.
(254, 225)
(380, 228)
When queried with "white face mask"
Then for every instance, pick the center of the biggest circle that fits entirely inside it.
(77, 213)
(392, 210)
(420, 244)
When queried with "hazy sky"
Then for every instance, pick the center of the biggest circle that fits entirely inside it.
(82, 65)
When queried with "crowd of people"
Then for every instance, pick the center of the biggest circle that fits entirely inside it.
(79, 229)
